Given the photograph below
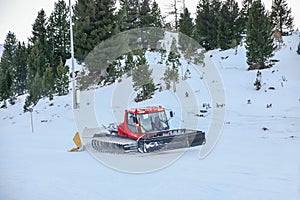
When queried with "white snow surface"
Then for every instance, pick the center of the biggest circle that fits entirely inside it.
(247, 162)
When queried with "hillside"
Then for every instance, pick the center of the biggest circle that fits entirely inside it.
(256, 156)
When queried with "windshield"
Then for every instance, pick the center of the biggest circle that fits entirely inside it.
(153, 122)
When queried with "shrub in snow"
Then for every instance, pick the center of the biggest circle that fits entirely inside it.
(257, 82)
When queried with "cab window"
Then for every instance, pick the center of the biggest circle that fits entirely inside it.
(130, 122)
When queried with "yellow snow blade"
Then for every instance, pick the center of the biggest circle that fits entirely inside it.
(73, 150)
(77, 142)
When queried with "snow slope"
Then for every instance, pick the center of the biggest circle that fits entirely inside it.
(247, 162)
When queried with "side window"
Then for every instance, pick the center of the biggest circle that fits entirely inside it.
(130, 122)
(130, 119)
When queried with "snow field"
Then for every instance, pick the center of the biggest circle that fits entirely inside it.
(247, 163)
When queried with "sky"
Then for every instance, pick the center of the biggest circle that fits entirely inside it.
(19, 15)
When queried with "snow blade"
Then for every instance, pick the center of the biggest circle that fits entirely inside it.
(113, 144)
(176, 139)
(77, 142)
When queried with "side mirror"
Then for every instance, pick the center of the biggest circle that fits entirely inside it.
(171, 114)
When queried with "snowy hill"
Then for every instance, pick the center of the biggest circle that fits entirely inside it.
(256, 157)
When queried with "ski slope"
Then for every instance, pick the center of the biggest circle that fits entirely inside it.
(257, 156)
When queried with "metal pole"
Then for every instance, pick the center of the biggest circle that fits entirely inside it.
(72, 57)
(31, 120)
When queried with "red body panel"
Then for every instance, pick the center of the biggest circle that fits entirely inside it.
(125, 131)
(149, 109)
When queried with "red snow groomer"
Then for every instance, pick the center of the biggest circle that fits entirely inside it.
(145, 130)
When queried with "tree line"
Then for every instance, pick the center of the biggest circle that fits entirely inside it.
(222, 24)
(39, 68)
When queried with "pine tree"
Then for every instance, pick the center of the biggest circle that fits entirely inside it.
(115, 71)
(39, 29)
(104, 20)
(229, 29)
(207, 23)
(244, 13)
(186, 28)
(281, 15)
(39, 56)
(162, 51)
(142, 76)
(94, 21)
(149, 16)
(171, 74)
(156, 33)
(298, 50)
(5, 85)
(122, 15)
(135, 14)
(214, 23)
(82, 28)
(145, 18)
(155, 13)
(174, 56)
(257, 82)
(186, 25)
(201, 31)
(20, 72)
(48, 83)
(62, 80)
(129, 63)
(191, 51)
(259, 42)
(7, 68)
(35, 92)
(37, 62)
(104, 54)
(152, 37)
(128, 14)
(59, 33)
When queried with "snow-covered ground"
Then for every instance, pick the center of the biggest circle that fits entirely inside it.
(257, 156)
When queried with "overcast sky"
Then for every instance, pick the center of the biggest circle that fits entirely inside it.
(19, 15)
